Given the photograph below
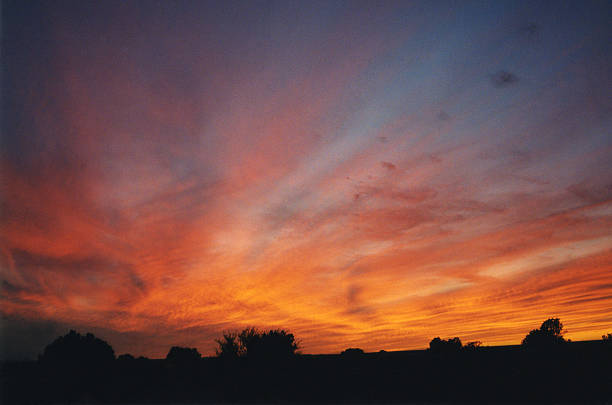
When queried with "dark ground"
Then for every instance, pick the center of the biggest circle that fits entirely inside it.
(578, 372)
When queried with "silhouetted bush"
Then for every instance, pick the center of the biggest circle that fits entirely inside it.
(75, 351)
(352, 353)
(273, 344)
(440, 346)
(549, 335)
(607, 340)
(254, 344)
(229, 346)
(472, 346)
(77, 367)
(183, 355)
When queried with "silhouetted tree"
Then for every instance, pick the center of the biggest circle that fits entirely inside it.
(76, 350)
(229, 346)
(552, 326)
(274, 344)
(77, 366)
(607, 340)
(437, 345)
(255, 344)
(183, 355)
(249, 338)
(549, 335)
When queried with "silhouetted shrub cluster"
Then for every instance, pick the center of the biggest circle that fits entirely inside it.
(441, 346)
(472, 346)
(271, 345)
(451, 346)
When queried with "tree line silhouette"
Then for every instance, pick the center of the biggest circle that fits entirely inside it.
(548, 336)
(265, 365)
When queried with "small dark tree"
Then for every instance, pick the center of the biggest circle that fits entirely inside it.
(454, 343)
(549, 335)
(553, 327)
(183, 355)
(435, 343)
(352, 353)
(442, 346)
(472, 346)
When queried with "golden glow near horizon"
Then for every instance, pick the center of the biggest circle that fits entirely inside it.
(362, 178)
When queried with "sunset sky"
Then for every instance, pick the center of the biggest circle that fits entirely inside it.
(363, 174)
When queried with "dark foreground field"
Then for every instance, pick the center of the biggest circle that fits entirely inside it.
(579, 372)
